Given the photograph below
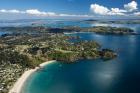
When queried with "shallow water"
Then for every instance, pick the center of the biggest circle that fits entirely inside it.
(120, 75)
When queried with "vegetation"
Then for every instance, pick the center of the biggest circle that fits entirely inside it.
(41, 29)
(36, 49)
(111, 30)
(22, 51)
(103, 30)
(12, 66)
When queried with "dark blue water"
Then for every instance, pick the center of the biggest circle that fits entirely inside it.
(120, 75)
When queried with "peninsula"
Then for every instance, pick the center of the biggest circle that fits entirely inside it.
(25, 48)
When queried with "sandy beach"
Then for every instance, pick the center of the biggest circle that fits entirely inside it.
(20, 82)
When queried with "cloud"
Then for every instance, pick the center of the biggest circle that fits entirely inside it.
(9, 11)
(39, 13)
(98, 9)
(128, 10)
(36, 12)
(137, 13)
(102, 10)
(131, 6)
(117, 11)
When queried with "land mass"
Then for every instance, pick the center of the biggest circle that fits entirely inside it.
(106, 30)
(27, 47)
(119, 21)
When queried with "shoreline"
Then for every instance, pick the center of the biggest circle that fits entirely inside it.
(67, 33)
(20, 82)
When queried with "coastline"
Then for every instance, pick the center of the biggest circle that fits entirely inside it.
(20, 82)
(67, 33)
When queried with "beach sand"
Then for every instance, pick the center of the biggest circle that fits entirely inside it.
(20, 82)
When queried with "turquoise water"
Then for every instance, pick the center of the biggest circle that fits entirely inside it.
(120, 75)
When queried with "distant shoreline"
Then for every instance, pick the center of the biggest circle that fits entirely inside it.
(20, 82)
(67, 33)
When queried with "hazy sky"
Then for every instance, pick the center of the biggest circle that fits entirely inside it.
(11, 9)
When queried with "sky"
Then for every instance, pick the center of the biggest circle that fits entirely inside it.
(13, 9)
